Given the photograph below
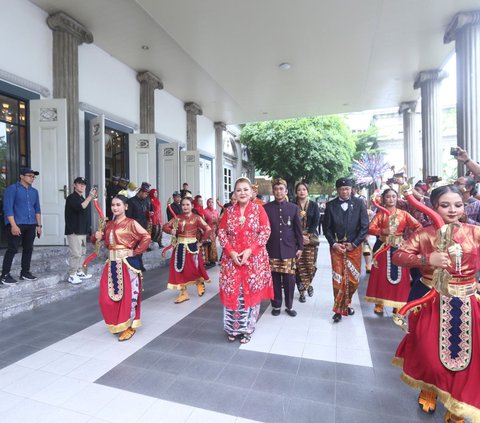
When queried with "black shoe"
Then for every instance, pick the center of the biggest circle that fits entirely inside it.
(337, 317)
(302, 298)
(276, 311)
(27, 276)
(310, 291)
(291, 312)
(8, 280)
(351, 311)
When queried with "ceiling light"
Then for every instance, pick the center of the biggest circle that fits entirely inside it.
(285, 66)
(145, 47)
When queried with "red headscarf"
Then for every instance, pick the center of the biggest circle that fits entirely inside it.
(198, 207)
(157, 207)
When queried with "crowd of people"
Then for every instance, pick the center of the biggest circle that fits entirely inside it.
(424, 262)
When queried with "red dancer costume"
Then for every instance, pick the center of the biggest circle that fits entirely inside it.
(439, 355)
(186, 265)
(389, 285)
(120, 284)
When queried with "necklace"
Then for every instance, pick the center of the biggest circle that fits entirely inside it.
(303, 209)
(288, 221)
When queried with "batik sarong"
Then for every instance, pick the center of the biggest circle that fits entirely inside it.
(345, 277)
(241, 320)
(306, 267)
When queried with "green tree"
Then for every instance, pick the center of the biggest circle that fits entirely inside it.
(317, 149)
(366, 142)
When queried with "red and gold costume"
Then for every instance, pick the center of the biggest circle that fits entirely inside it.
(389, 284)
(212, 217)
(186, 265)
(120, 295)
(440, 352)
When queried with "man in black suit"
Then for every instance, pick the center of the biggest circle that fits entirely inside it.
(284, 246)
(345, 225)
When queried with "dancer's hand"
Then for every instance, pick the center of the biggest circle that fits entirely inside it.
(440, 260)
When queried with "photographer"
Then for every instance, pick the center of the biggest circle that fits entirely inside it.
(462, 156)
(76, 228)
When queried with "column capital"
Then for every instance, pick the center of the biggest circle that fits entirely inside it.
(459, 22)
(152, 80)
(429, 75)
(63, 23)
(194, 108)
(407, 106)
(220, 125)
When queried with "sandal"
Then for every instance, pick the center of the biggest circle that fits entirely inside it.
(449, 417)
(427, 401)
(231, 338)
(245, 339)
(310, 291)
(182, 297)
(126, 334)
(200, 288)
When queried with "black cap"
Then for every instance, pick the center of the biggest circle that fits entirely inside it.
(26, 170)
(344, 182)
(145, 187)
(115, 178)
(80, 180)
(176, 193)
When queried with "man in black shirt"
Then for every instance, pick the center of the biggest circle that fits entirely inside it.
(185, 190)
(76, 228)
(176, 206)
(138, 207)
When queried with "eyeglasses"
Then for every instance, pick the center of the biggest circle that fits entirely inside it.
(30, 176)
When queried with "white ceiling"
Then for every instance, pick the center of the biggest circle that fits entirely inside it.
(346, 55)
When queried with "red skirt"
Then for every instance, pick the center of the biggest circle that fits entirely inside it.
(116, 313)
(186, 269)
(382, 291)
(418, 355)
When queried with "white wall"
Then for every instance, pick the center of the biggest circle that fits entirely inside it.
(26, 46)
(108, 84)
(170, 117)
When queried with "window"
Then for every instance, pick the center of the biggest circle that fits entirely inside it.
(227, 184)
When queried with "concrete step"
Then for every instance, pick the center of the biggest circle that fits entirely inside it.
(51, 268)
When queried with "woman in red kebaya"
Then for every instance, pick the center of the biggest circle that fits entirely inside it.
(245, 276)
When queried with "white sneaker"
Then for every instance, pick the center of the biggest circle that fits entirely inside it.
(82, 275)
(74, 279)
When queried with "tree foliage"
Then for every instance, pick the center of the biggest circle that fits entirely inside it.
(317, 149)
(366, 142)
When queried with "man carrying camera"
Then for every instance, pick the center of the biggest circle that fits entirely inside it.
(76, 228)
(462, 156)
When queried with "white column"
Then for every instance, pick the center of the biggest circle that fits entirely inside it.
(465, 30)
(429, 83)
(220, 127)
(411, 139)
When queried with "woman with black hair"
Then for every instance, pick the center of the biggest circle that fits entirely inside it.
(307, 263)
(439, 354)
(120, 284)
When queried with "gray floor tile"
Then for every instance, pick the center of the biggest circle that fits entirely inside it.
(355, 374)
(222, 353)
(17, 352)
(171, 363)
(225, 399)
(204, 370)
(282, 364)
(238, 376)
(356, 396)
(350, 415)
(162, 344)
(187, 391)
(152, 383)
(318, 369)
(249, 359)
(265, 407)
(144, 359)
(121, 376)
(274, 382)
(304, 411)
(313, 389)
(189, 348)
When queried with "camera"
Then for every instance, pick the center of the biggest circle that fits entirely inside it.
(95, 187)
(454, 151)
(432, 179)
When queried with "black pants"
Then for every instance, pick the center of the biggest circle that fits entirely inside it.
(286, 283)
(25, 239)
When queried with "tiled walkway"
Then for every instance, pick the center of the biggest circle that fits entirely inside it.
(58, 363)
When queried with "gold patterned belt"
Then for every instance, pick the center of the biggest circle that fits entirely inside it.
(186, 240)
(116, 255)
(458, 287)
(392, 240)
